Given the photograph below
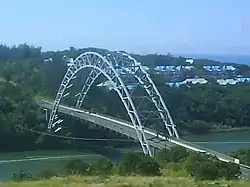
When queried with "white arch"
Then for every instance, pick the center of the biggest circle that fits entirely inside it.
(86, 86)
(143, 77)
(96, 61)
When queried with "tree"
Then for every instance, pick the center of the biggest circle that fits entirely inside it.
(229, 171)
(77, 167)
(147, 166)
(7, 75)
(206, 171)
(163, 157)
(174, 154)
(138, 163)
(204, 167)
(102, 166)
(129, 163)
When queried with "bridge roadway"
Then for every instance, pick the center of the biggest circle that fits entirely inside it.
(121, 126)
(124, 127)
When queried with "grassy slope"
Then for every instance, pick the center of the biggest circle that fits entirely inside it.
(117, 181)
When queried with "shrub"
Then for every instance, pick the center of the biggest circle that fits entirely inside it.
(128, 164)
(229, 171)
(206, 171)
(178, 154)
(47, 174)
(21, 176)
(102, 166)
(147, 166)
(77, 167)
(175, 154)
(203, 167)
(243, 155)
(138, 163)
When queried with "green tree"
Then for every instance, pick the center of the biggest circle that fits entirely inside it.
(138, 163)
(77, 166)
(174, 154)
(102, 166)
(206, 171)
(129, 163)
(148, 167)
(229, 171)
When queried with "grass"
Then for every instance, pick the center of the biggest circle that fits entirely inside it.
(118, 181)
(173, 176)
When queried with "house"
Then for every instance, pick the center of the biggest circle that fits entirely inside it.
(189, 61)
(195, 80)
(219, 68)
(48, 60)
(233, 81)
(172, 68)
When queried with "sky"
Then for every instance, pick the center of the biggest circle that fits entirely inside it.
(220, 27)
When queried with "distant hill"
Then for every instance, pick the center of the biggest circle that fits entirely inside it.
(239, 59)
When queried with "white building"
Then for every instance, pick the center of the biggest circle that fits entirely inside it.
(190, 61)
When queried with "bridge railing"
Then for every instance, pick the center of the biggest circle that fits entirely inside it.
(89, 112)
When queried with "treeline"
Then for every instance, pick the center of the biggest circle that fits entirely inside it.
(209, 107)
(177, 160)
(24, 74)
(19, 113)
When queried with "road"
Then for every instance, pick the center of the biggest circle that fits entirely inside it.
(127, 128)
(122, 127)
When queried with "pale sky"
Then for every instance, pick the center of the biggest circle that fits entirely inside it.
(138, 26)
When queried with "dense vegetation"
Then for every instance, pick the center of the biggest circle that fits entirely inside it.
(128, 181)
(24, 74)
(243, 155)
(177, 159)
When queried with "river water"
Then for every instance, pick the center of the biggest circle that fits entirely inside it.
(223, 142)
(37, 161)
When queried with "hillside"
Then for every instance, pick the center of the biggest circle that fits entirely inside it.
(26, 72)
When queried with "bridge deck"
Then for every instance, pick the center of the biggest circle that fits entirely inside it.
(121, 126)
(126, 128)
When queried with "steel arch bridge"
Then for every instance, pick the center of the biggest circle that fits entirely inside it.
(119, 69)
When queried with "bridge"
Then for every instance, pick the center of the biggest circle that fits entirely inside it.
(155, 139)
(122, 70)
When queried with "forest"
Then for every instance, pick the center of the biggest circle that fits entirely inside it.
(24, 75)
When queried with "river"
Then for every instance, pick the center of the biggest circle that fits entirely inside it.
(36, 161)
(224, 141)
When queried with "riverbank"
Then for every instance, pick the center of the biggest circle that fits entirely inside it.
(234, 129)
(37, 161)
(131, 181)
(219, 130)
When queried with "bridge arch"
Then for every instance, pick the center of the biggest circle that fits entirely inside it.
(128, 63)
(144, 79)
(101, 66)
(108, 65)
